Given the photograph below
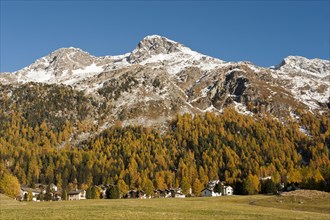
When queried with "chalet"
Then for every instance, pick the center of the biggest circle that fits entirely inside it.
(77, 195)
(162, 193)
(179, 195)
(227, 190)
(41, 187)
(176, 193)
(25, 191)
(141, 194)
(209, 189)
(58, 195)
(169, 193)
(213, 183)
(135, 194)
(53, 187)
(103, 190)
(208, 192)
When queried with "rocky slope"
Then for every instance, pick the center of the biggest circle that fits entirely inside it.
(161, 78)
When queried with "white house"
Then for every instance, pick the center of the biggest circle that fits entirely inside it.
(26, 190)
(209, 189)
(179, 195)
(53, 187)
(213, 183)
(103, 190)
(77, 195)
(227, 190)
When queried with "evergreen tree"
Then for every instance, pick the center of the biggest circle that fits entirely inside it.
(218, 188)
(112, 192)
(89, 193)
(25, 197)
(268, 187)
(94, 192)
(239, 188)
(48, 194)
(64, 195)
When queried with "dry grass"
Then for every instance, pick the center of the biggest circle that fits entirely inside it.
(234, 207)
(309, 194)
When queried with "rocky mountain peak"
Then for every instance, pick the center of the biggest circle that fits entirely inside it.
(70, 55)
(154, 45)
(62, 59)
(301, 64)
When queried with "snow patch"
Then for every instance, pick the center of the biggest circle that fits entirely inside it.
(240, 108)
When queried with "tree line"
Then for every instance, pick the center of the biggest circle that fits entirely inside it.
(232, 147)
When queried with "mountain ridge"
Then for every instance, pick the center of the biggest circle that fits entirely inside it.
(159, 45)
(161, 78)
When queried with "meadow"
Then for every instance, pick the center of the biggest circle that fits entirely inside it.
(233, 207)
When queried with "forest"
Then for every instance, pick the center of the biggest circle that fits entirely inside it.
(192, 150)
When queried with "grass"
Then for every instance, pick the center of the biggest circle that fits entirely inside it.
(234, 207)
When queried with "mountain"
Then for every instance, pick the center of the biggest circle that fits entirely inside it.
(69, 118)
(161, 78)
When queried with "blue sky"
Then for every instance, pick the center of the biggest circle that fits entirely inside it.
(263, 32)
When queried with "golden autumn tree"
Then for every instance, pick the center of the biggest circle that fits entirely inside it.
(9, 185)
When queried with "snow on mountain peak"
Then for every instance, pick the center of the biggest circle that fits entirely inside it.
(153, 45)
(173, 56)
(316, 67)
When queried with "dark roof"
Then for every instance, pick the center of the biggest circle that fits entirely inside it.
(75, 192)
(207, 188)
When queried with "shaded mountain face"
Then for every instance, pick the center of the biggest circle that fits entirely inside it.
(161, 78)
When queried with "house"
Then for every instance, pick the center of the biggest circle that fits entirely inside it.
(53, 187)
(227, 190)
(103, 190)
(211, 184)
(209, 189)
(162, 193)
(208, 192)
(77, 195)
(179, 195)
(25, 191)
(58, 195)
(141, 194)
(131, 194)
(43, 187)
(135, 194)
(175, 193)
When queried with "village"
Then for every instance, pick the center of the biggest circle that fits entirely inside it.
(42, 192)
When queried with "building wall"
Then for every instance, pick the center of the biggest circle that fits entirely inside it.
(206, 193)
(227, 191)
(74, 197)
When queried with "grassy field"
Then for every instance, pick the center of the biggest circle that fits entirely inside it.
(234, 207)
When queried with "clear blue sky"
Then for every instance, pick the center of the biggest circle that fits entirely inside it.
(263, 32)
